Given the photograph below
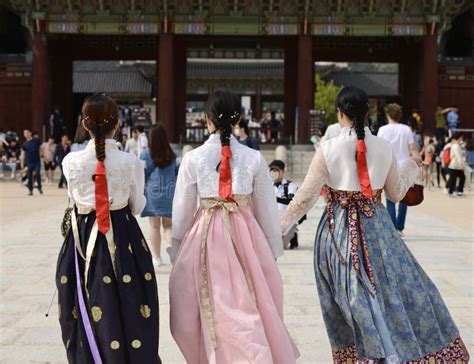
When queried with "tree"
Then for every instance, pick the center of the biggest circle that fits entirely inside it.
(325, 98)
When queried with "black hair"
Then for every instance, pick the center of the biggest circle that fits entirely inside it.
(456, 136)
(224, 109)
(244, 124)
(354, 102)
(140, 128)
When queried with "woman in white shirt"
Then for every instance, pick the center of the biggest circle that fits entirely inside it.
(226, 293)
(378, 304)
(456, 167)
(108, 301)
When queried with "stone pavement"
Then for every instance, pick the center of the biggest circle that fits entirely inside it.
(439, 233)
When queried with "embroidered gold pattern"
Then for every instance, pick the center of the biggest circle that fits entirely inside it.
(136, 344)
(148, 276)
(126, 278)
(63, 280)
(107, 280)
(145, 310)
(96, 313)
(115, 345)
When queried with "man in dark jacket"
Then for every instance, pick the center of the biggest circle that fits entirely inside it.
(62, 149)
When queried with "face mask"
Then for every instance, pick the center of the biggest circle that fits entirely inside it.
(275, 175)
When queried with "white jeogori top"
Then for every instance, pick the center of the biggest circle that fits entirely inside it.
(335, 165)
(199, 178)
(125, 177)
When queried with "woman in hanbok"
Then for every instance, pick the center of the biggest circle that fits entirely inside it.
(108, 301)
(378, 304)
(226, 293)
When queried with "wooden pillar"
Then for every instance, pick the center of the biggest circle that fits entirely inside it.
(180, 88)
(305, 87)
(290, 76)
(429, 81)
(165, 78)
(39, 88)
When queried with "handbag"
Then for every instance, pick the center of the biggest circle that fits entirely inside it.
(67, 218)
(414, 195)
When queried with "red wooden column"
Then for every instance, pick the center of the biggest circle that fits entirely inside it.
(180, 88)
(165, 79)
(39, 88)
(291, 58)
(305, 86)
(429, 81)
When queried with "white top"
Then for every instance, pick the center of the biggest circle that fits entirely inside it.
(280, 192)
(131, 146)
(334, 164)
(457, 158)
(198, 178)
(332, 131)
(125, 177)
(142, 144)
(400, 136)
(76, 147)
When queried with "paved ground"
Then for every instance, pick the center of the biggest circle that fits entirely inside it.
(439, 233)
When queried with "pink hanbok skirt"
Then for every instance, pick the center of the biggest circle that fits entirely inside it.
(226, 293)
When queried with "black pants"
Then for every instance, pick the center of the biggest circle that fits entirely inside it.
(62, 180)
(440, 172)
(36, 169)
(454, 174)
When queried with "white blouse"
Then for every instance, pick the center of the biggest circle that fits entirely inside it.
(125, 177)
(334, 164)
(198, 178)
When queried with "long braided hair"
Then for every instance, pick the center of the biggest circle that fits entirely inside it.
(100, 117)
(223, 108)
(354, 103)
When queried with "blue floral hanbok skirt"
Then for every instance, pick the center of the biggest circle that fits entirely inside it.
(378, 304)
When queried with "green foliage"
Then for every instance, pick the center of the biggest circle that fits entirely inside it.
(325, 97)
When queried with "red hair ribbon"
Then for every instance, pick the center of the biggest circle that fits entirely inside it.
(225, 177)
(362, 170)
(101, 198)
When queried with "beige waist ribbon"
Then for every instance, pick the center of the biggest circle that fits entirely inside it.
(84, 210)
(209, 205)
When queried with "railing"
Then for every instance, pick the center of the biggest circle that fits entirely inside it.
(199, 134)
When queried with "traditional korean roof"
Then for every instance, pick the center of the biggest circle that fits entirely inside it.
(375, 84)
(109, 77)
(242, 17)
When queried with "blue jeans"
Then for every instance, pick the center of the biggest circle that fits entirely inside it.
(35, 168)
(398, 221)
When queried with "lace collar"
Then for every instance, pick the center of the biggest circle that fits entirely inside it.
(351, 132)
(216, 139)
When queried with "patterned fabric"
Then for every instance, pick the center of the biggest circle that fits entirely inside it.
(455, 352)
(356, 203)
(407, 319)
(122, 304)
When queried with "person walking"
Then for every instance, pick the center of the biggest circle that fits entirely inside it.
(132, 143)
(160, 177)
(57, 125)
(48, 151)
(440, 170)
(378, 304)
(242, 133)
(62, 150)
(142, 141)
(31, 147)
(226, 293)
(401, 139)
(429, 153)
(107, 290)
(456, 167)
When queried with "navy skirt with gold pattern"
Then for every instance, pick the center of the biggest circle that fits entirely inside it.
(122, 303)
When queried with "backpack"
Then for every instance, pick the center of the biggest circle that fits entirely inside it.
(446, 157)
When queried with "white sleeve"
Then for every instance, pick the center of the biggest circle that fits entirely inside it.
(65, 165)
(265, 207)
(185, 202)
(292, 188)
(308, 194)
(137, 200)
(398, 182)
(411, 140)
